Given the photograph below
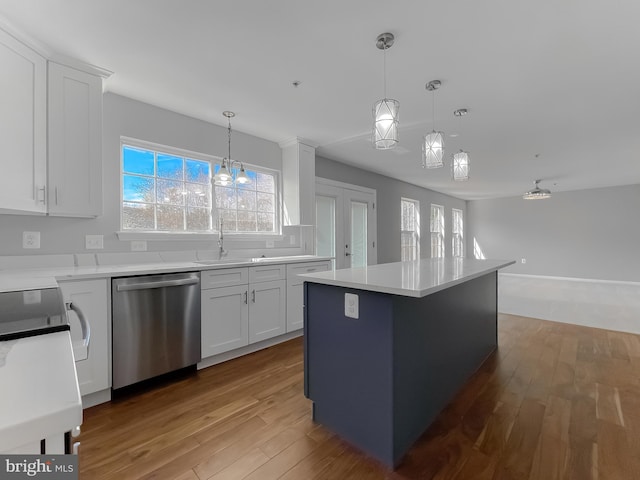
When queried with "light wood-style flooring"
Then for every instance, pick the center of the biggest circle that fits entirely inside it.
(555, 401)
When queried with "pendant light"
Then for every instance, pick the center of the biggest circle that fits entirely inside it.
(224, 177)
(460, 166)
(385, 111)
(433, 144)
(537, 193)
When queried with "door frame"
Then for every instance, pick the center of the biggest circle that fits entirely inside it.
(344, 193)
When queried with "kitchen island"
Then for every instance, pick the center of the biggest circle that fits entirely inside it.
(388, 346)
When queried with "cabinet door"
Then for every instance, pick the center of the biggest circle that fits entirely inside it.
(23, 135)
(295, 291)
(91, 296)
(225, 319)
(266, 310)
(75, 142)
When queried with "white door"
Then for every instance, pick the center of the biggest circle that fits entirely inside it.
(225, 319)
(346, 224)
(267, 310)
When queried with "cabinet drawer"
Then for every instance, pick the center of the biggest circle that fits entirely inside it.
(295, 269)
(225, 277)
(266, 273)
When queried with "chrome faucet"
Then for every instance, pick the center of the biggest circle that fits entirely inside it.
(221, 251)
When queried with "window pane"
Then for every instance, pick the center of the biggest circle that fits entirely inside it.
(137, 189)
(229, 218)
(170, 217)
(171, 191)
(247, 221)
(225, 197)
(198, 195)
(170, 167)
(266, 202)
(135, 160)
(265, 182)
(197, 171)
(198, 219)
(137, 216)
(246, 200)
(266, 222)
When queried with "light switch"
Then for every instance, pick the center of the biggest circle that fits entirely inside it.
(351, 309)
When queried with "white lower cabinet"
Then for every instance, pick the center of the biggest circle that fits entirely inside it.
(295, 290)
(92, 365)
(241, 306)
(225, 319)
(267, 310)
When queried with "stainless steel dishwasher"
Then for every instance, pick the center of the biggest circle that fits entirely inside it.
(156, 325)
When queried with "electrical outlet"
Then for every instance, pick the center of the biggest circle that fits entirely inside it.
(270, 244)
(30, 239)
(523, 260)
(139, 246)
(92, 242)
(351, 305)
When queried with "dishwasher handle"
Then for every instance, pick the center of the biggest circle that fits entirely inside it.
(84, 324)
(157, 284)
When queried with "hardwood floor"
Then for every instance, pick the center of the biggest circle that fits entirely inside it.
(555, 401)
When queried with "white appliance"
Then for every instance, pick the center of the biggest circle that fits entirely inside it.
(40, 404)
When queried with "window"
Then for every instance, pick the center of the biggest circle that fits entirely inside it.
(457, 228)
(168, 190)
(251, 207)
(410, 229)
(437, 231)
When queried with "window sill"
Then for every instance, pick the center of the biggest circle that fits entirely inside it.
(195, 237)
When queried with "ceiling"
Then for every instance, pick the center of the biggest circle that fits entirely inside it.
(552, 87)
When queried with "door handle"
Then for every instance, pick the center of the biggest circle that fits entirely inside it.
(347, 254)
(84, 324)
(253, 296)
(246, 297)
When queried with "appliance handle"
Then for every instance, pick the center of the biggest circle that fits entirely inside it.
(157, 284)
(84, 324)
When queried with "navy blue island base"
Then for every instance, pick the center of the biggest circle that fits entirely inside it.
(380, 380)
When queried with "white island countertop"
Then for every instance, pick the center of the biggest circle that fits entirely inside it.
(411, 279)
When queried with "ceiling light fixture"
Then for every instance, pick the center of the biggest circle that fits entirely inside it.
(385, 111)
(224, 176)
(433, 144)
(460, 166)
(537, 193)
(461, 112)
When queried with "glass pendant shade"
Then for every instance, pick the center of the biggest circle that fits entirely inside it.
(385, 123)
(242, 178)
(461, 166)
(223, 177)
(433, 150)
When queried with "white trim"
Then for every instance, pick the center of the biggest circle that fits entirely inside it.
(297, 141)
(347, 186)
(573, 279)
(129, 235)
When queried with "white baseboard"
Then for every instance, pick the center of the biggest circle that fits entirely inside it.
(96, 398)
(607, 304)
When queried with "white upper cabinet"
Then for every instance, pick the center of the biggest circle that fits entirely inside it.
(23, 123)
(75, 142)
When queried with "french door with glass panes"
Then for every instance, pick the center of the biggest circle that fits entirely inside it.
(346, 223)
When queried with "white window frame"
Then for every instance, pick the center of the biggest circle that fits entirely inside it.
(213, 233)
(437, 227)
(457, 233)
(414, 234)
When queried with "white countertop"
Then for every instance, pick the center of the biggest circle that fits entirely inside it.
(35, 278)
(40, 396)
(412, 279)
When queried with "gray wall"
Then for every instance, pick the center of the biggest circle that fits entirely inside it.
(583, 234)
(389, 192)
(126, 117)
